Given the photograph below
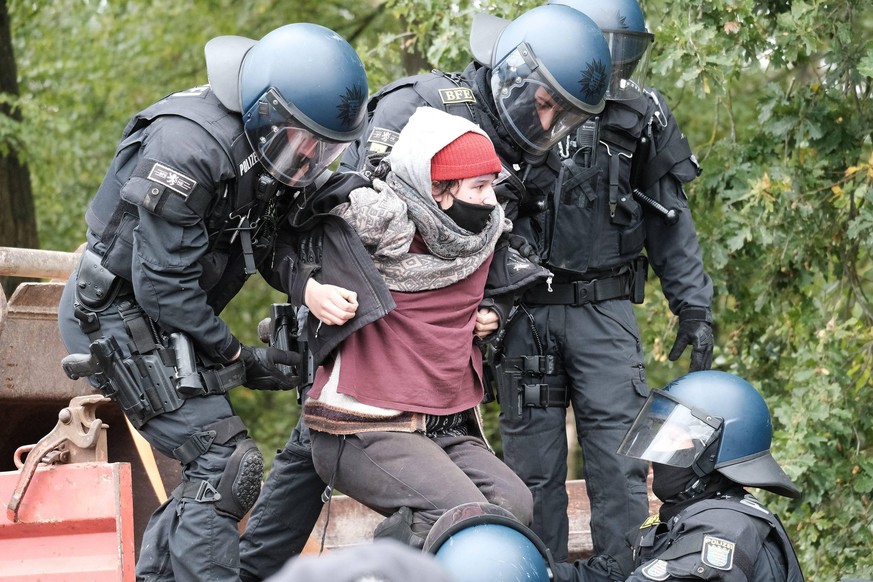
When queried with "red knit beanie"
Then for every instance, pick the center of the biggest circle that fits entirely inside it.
(468, 156)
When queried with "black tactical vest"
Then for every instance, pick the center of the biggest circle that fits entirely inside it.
(112, 214)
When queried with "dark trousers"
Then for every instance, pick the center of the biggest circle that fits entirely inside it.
(389, 470)
(286, 510)
(600, 361)
(184, 540)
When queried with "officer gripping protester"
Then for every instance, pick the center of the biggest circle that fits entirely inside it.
(613, 190)
(192, 205)
(541, 90)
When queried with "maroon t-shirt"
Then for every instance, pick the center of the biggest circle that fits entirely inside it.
(420, 357)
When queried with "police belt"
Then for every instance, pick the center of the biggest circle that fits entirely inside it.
(580, 292)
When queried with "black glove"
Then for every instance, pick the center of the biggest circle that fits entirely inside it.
(262, 368)
(696, 331)
(524, 248)
(398, 526)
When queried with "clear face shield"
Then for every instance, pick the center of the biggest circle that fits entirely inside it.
(281, 136)
(630, 63)
(531, 104)
(668, 432)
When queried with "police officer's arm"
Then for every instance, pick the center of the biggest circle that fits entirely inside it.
(675, 255)
(171, 237)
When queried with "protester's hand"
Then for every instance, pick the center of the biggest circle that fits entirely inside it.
(487, 323)
(332, 305)
(262, 368)
(695, 331)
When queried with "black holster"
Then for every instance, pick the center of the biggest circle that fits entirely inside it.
(522, 382)
(141, 384)
(639, 274)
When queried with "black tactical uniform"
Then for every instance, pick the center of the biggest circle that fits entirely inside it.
(576, 342)
(193, 203)
(166, 253)
(729, 537)
(708, 435)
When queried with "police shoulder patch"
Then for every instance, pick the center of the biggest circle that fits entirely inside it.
(655, 570)
(457, 95)
(652, 520)
(717, 553)
(383, 137)
(172, 179)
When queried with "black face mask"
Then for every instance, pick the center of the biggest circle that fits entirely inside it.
(472, 217)
(669, 481)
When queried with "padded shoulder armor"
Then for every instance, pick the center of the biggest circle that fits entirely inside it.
(163, 189)
(439, 90)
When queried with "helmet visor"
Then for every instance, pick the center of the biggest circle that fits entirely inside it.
(630, 63)
(667, 432)
(531, 105)
(286, 142)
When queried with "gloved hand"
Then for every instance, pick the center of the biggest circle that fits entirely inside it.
(696, 331)
(262, 370)
(524, 248)
(398, 526)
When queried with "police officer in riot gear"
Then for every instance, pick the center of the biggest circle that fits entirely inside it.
(191, 206)
(708, 520)
(526, 96)
(616, 193)
(707, 435)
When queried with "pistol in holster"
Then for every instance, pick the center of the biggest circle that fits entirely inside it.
(143, 385)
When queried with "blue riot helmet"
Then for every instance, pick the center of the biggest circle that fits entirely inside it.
(624, 27)
(550, 68)
(302, 92)
(482, 542)
(711, 421)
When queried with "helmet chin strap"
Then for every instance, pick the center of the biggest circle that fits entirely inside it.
(704, 469)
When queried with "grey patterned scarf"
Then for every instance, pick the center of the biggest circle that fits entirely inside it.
(388, 215)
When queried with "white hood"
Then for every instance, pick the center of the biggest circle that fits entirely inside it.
(427, 132)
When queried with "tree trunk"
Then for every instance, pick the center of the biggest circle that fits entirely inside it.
(17, 213)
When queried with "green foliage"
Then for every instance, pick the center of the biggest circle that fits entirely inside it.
(775, 97)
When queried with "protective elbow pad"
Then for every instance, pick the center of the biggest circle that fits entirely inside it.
(241, 481)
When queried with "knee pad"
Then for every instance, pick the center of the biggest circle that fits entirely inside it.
(240, 483)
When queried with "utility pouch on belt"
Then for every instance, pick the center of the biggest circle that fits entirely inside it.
(96, 286)
(639, 275)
